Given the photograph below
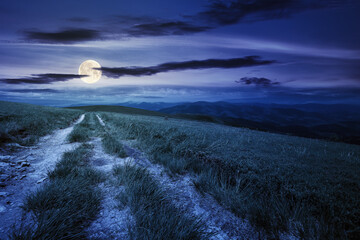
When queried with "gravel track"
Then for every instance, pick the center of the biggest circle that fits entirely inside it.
(33, 164)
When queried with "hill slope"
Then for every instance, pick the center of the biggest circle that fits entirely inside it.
(335, 122)
(25, 123)
(138, 111)
(119, 109)
(282, 185)
(273, 180)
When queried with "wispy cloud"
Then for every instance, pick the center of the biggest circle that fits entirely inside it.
(187, 65)
(265, 82)
(164, 28)
(63, 36)
(42, 78)
(230, 12)
(48, 78)
(32, 90)
(79, 19)
(122, 28)
(218, 13)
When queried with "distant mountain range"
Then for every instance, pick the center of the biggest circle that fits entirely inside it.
(152, 106)
(339, 122)
(336, 122)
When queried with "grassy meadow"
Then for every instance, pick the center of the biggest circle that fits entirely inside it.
(24, 123)
(156, 217)
(282, 184)
(310, 188)
(64, 206)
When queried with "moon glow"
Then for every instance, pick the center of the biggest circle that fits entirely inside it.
(87, 68)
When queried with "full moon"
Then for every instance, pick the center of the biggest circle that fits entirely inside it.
(87, 68)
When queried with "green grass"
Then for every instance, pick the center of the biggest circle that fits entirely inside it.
(281, 183)
(82, 131)
(65, 205)
(119, 109)
(88, 128)
(138, 111)
(309, 188)
(156, 217)
(25, 124)
(112, 146)
(80, 134)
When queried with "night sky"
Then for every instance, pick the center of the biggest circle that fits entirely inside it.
(266, 51)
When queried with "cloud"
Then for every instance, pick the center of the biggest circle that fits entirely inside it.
(128, 20)
(257, 81)
(164, 28)
(121, 27)
(230, 12)
(218, 13)
(65, 36)
(138, 26)
(187, 65)
(48, 78)
(79, 19)
(151, 97)
(42, 78)
(32, 90)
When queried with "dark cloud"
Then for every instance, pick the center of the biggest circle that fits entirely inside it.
(32, 90)
(119, 27)
(129, 20)
(187, 65)
(64, 36)
(164, 28)
(216, 14)
(144, 71)
(257, 81)
(41, 78)
(79, 19)
(233, 11)
(137, 26)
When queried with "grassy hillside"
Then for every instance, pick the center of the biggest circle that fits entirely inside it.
(63, 206)
(339, 123)
(280, 183)
(119, 109)
(333, 121)
(138, 111)
(24, 123)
